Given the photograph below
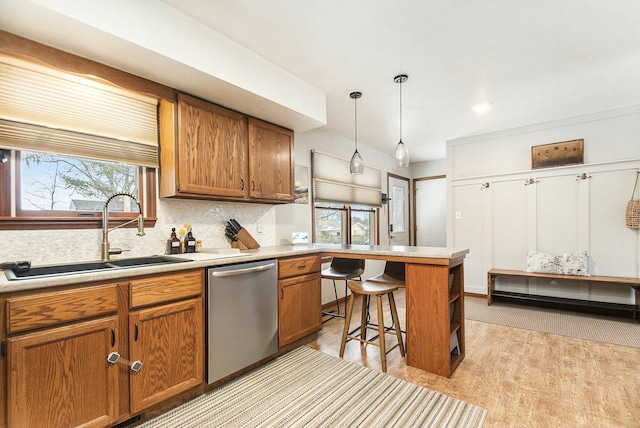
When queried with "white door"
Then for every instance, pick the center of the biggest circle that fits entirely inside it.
(399, 226)
(431, 212)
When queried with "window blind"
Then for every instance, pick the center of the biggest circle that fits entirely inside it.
(47, 111)
(333, 182)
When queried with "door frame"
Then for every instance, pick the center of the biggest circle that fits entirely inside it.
(414, 194)
(409, 208)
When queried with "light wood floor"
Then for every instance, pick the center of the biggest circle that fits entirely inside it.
(523, 378)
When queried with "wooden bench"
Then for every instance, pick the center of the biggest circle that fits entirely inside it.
(604, 307)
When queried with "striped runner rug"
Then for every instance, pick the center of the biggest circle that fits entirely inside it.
(307, 388)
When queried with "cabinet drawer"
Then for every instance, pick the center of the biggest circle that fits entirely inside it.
(51, 308)
(298, 266)
(165, 288)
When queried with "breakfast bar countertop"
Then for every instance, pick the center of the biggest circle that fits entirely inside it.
(218, 258)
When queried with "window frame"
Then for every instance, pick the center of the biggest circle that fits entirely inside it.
(348, 209)
(34, 220)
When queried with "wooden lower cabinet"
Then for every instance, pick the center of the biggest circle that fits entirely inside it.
(299, 298)
(60, 377)
(58, 342)
(169, 341)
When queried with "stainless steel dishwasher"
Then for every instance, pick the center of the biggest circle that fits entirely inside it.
(242, 316)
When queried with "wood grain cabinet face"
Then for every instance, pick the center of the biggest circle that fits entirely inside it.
(299, 299)
(271, 163)
(209, 152)
(60, 377)
(212, 149)
(58, 342)
(169, 341)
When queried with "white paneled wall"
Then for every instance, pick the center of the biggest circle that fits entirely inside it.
(558, 212)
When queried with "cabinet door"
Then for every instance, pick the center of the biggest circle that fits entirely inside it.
(60, 377)
(299, 307)
(169, 342)
(271, 164)
(212, 149)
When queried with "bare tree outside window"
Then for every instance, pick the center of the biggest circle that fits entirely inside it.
(64, 183)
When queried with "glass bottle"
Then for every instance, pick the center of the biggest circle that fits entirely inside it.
(175, 242)
(189, 243)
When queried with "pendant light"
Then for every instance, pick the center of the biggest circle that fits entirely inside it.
(356, 165)
(401, 154)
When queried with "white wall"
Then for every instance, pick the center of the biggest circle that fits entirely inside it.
(428, 168)
(503, 159)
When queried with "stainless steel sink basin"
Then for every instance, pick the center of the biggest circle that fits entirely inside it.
(86, 267)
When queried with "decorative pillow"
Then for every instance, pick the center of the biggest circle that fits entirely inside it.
(541, 262)
(573, 263)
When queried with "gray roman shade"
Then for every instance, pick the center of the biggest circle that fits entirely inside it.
(44, 110)
(333, 182)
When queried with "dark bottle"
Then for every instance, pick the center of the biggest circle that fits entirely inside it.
(174, 242)
(189, 243)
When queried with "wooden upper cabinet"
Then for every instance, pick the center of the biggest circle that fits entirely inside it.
(203, 150)
(271, 164)
(209, 152)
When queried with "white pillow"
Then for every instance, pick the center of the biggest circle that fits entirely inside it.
(574, 263)
(541, 262)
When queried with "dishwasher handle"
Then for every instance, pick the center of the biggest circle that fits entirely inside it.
(234, 272)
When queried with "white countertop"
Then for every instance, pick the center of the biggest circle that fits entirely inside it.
(221, 257)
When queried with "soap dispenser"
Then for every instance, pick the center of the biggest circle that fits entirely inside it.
(189, 243)
(174, 242)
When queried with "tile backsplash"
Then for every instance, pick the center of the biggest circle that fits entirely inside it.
(207, 220)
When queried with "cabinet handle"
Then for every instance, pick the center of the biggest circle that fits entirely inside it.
(113, 336)
(242, 184)
(136, 365)
(135, 332)
(282, 294)
(253, 185)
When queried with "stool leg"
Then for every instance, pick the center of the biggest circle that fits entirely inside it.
(396, 322)
(363, 317)
(347, 320)
(383, 348)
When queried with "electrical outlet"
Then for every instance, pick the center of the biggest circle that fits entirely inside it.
(260, 228)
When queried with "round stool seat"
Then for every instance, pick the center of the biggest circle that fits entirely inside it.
(371, 288)
(368, 289)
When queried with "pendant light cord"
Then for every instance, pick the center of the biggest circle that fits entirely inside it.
(355, 110)
(400, 110)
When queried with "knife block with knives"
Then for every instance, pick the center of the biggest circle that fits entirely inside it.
(239, 236)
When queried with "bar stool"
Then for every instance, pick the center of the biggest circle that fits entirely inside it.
(342, 269)
(368, 289)
(393, 274)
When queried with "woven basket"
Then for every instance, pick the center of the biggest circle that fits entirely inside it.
(633, 208)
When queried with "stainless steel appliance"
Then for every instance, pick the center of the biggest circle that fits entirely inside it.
(242, 316)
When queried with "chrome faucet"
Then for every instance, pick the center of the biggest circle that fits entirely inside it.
(106, 250)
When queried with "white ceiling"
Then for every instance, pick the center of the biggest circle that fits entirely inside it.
(536, 60)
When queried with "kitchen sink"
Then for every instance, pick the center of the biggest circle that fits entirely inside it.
(86, 267)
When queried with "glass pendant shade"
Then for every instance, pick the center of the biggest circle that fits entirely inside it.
(356, 165)
(401, 156)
